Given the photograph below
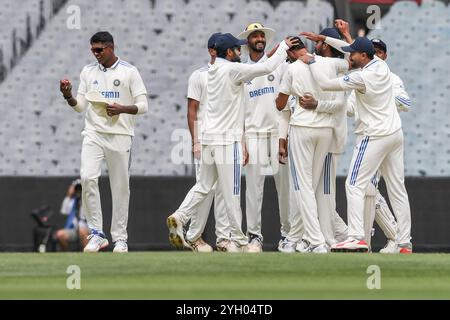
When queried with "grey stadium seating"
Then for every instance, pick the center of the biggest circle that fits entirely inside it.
(166, 40)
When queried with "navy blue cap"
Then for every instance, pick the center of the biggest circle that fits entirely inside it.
(212, 40)
(380, 44)
(361, 44)
(331, 32)
(227, 41)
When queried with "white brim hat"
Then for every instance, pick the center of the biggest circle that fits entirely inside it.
(98, 101)
(252, 27)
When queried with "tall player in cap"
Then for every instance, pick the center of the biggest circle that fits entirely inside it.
(383, 215)
(197, 102)
(311, 135)
(380, 147)
(376, 206)
(107, 135)
(333, 227)
(222, 134)
(261, 135)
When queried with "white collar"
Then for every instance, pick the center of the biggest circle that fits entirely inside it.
(101, 67)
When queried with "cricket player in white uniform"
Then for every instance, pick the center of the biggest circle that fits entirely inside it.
(381, 147)
(383, 215)
(333, 227)
(222, 135)
(107, 135)
(197, 102)
(377, 207)
(311, 135)
(283, 159)
(261, 137)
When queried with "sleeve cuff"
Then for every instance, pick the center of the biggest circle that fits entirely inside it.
(284, 45)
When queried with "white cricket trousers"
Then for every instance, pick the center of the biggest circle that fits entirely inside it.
(263, 161)
(198, 221)
(331, 223)
(221, 164)
(372, 154)
(115, 149)
(308, 148)
(383, 215)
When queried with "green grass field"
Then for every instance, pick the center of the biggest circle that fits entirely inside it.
(183, 275)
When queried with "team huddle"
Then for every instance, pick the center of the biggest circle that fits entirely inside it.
(284, 114)
(281, 114)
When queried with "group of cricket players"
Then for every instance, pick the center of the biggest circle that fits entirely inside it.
(284, 114)
(281, 113)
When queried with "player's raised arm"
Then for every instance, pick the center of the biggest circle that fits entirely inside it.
(344, 29)
(362, 53)
(246, 72)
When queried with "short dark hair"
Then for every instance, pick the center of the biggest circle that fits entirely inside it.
(336, 53)
(102, 37)
(222, 53)
(370, 55)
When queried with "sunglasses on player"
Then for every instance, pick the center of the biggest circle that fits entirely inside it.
(98, 50)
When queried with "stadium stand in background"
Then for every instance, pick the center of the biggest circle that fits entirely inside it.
(166, 40)
(418, 40)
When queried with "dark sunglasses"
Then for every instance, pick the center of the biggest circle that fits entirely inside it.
(98, 50)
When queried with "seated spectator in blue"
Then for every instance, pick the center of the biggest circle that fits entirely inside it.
(75, 230)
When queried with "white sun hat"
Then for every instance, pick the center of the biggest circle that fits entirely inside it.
(98, 101)
(252, 27)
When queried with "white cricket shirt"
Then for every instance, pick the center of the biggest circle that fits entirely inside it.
(402, 102)
(298, 81)
(261, 114)
(121, 83)
(224, 119)
(374, 98)
(197, 90)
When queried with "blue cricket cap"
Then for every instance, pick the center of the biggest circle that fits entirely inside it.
(380, 44)
(361, 44)
(227, 41)
(331, 32)
(212, 40)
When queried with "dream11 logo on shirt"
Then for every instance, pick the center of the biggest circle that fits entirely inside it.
(111, 94)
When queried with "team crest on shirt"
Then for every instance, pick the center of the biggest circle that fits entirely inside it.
(346, 78)
(270, 77)
(117, 82)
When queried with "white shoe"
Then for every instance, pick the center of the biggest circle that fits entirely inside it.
(200, 245)
(321, 248)
(232, 247)
(176, 236)
(390, 247)
(287, 246)
(255, 244)
(350, 245)
(280, 243)
(96, 243)
(302, 246)
(120, 246)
